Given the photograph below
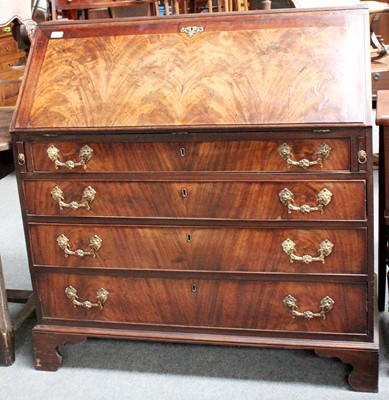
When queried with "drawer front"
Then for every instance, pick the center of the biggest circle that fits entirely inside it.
(74, 4)
(8, 46)
(247, 305)
(283, 200)
(203, 249)
(244, 156)
(380, 81)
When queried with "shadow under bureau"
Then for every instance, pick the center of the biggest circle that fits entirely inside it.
(202, 179)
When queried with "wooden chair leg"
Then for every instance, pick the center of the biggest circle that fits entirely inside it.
(8, 326)
(7, 347)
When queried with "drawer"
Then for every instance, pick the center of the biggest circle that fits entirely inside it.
(74, 4)
(322, 251)
(243, 155)
(230, 200)
(8, 45)
(380, 81)
(207, 303)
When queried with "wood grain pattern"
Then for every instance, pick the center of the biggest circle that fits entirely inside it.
(216, 303)
(231, 200)
(256, 155)
(159, 79)
(209, 249)
(185, 136)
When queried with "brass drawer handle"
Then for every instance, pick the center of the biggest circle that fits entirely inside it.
(21, 159)
(94, 243)
(84, 155)
(88, 196)
(325, 249)
(323, 151)
(362, 157)
(323, 199)
(101, 297)
(325, 306)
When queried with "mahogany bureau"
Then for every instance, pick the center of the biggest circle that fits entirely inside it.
(202, 179)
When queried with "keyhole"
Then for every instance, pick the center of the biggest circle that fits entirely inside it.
(184, 192)
(182, 152)
(189, 238)
(194, 288)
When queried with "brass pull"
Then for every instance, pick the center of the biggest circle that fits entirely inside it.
(84, 155)
(323, 199)
(362, 157)
(101, 297)
(325, 249)
(323, 151)
(88, 196)
(21, 159)
(94, 243)
(325, 306)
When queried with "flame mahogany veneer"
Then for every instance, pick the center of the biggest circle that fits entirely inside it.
(202, 179)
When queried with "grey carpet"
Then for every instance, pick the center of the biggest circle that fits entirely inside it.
(109, 369)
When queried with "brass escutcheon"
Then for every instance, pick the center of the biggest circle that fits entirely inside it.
(190, 31)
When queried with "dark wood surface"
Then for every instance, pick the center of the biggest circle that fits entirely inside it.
(242, 156)
(209, 200)
(175, 81)
(382, 119)
(243, 305)
(191, 248)
(187, 173)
